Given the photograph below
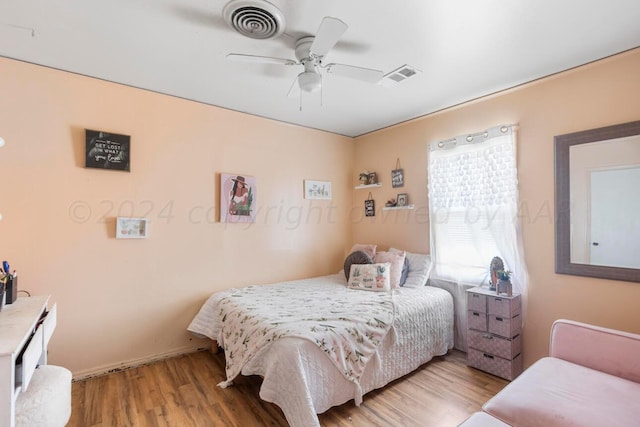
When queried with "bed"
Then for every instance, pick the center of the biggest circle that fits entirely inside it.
(307, 375)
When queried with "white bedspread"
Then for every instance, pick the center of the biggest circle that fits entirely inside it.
(347, 324)
(303, 381)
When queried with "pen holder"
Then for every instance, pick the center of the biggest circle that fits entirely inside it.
(11, 290)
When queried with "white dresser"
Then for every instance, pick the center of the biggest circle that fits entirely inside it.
(25, 329)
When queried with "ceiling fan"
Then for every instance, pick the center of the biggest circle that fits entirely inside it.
(310, 52)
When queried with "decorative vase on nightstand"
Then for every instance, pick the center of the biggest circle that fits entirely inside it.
(505, 287)
(504, 283)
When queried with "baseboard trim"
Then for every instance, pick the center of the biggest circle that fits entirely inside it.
(133, 363)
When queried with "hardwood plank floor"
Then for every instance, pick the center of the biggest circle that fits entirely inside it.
(182, 392)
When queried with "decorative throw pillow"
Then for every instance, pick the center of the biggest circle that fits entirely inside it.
(357, 257)
(370, 277)
(396, 259)
(419, 268)
(368, 249)
(405, 271)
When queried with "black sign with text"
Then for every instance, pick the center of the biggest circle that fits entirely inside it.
(370, 206)
(107, 150)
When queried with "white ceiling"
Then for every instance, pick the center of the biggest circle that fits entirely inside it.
(464, 48)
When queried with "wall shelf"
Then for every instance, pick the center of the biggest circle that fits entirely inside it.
(395, 208)
(360, 187)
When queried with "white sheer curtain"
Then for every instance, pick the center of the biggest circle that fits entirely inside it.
(473, 207)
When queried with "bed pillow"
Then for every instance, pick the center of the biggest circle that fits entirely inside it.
(419, 268)
(405, 271)
(357, 257)
(368, 249)
(396, 259)
(370, 277)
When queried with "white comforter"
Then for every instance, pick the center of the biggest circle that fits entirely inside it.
(300, 378)
(348, 325)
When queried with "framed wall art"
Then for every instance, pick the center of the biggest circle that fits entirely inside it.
(319, 190)
(131, 228)
(397, 176)
(369, 206)
(237, 198)
(104, 150)
(402, 200)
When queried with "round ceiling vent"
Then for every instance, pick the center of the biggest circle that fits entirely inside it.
(254, 18)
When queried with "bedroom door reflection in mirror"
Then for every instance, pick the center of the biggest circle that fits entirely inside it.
(605, 188)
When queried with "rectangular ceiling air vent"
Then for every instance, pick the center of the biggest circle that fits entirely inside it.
(398, 75)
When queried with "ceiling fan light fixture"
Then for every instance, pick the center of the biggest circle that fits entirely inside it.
(310, 81)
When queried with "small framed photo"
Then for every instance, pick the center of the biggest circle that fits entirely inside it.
(131, 228)
(319, 190)
(373, 178)
(403, 199)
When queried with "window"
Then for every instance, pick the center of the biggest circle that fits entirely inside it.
(473, 205)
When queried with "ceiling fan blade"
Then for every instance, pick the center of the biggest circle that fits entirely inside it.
(331, 29)
(359, 73)
(294, 90)
(238, 57)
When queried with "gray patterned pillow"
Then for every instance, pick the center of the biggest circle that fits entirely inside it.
(405, 271)
(357, 257)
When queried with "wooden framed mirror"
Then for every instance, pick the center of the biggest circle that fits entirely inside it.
(597, 217)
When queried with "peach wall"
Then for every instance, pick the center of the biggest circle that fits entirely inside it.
(126, 301)
(595, 95)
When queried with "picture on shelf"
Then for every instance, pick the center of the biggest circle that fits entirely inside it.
(373, 178)
(364, 178)
(402, 199)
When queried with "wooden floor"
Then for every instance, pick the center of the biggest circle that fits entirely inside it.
(182, 392)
